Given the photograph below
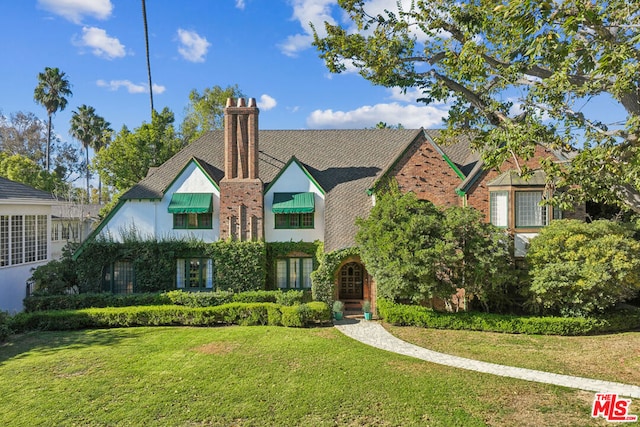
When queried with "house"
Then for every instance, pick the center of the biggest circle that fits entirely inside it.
(71, 222)
(25, 221)
(306, 185)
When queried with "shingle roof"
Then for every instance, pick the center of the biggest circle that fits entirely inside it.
(344, 162)
(513, 178)
(15, 190)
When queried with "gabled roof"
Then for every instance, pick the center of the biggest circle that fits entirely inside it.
(345, 163)
(512, 178)
(15, 190)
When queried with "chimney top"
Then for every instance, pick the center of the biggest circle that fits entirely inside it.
(241, 102)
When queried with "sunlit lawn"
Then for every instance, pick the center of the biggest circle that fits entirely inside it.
(614, 357)
(256, 376)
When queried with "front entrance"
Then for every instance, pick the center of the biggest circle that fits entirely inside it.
(350, 281)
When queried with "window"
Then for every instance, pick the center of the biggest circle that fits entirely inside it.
(4, 240)
(304, 220)
(23, 238)
(194, 273)
(294, 273)
(119, 278)
(529, 213)
(192, 221)
(499, 208)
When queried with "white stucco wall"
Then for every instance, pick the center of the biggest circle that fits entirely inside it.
(521, 243)
(151, 218)
(13, 278)
(294, 180)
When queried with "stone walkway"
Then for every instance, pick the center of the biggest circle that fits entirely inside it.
(373, 334)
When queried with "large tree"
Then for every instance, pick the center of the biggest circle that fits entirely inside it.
(22, 169)
(205, 111)
(25, 134)
(51, 92)
(126, 160)
(514, 73)
(88, 127)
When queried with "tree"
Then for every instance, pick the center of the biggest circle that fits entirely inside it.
(129, 156)
(516, 73)
(102, 140)
(205, 111)
(582, 268)
(50, 92)
(22, 169)
(25, 134)
(87, 127)
(400, 242)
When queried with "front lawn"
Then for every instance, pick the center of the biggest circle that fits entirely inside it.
(612, 357)
(256, 376)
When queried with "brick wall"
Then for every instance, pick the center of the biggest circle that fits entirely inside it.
(425, 172)
(241, 209)
(478, 194)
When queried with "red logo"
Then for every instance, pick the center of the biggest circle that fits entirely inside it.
(612, 408)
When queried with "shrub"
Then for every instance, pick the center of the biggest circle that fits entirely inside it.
(88, 300)
(235, 313)
(417, 251)
(290, 297)
(199, 299)
(411, 315)
(578, 269)
(4, 326)
(256, 296)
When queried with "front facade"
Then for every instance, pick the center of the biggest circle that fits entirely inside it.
(25, 243)
(306, 185)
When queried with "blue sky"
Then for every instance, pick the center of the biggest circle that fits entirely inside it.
(262, 46)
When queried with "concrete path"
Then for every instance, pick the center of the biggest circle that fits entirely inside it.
(373, 334)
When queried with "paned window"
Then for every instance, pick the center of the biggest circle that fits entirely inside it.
(4, 240)
(294, 273)
(529, 213)
(499, 207)
(194, 273)
(119, 277)
(23, 238)
(192, 221)
(295, 220)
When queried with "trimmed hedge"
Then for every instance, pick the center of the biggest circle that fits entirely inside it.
(88, 300)
(246, 314)
(175, 297)
(4, 325)
(411, 315)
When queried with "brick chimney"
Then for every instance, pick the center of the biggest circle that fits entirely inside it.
(241, 190)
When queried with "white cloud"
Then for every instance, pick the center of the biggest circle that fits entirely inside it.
(409, 116)
(266, 102)
(130, 86)
(75, 10)
(240, 4)
(193, 47)
(100, 43)
(305, 12)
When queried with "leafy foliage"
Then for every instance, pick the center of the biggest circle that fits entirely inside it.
(579, 268)
(413, 315)
(205, 111)
(129, 156)
(515, 74)
(322, 279)
(235, 313)
(22, 169)
(415, 251)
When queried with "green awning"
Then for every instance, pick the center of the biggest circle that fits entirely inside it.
(286, 203)
(191, 203)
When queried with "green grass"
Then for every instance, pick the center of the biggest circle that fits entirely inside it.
(612, 357)
(256, 376)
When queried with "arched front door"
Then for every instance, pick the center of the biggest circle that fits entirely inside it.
(351, 279)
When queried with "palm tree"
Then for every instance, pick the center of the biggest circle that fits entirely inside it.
(87, 127)
(146, 42)
(103, 137)
(50, 93)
